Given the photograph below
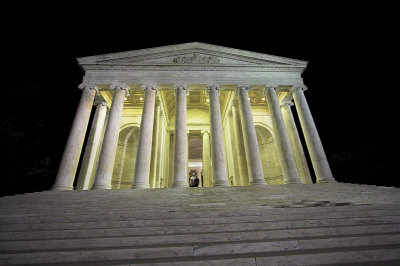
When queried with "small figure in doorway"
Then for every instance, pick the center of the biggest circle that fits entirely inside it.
(191, 180)
(196, 181)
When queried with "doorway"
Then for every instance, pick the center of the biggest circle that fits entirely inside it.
(195, 161)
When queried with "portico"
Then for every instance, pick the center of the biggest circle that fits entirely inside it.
(225, 110)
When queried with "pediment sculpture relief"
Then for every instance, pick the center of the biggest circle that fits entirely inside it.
(195, 59)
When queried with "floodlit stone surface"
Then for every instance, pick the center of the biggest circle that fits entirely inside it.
(327, 223)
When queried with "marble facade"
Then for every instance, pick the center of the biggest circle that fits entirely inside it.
(222, 113)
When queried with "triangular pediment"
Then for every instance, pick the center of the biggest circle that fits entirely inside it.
(190, 54)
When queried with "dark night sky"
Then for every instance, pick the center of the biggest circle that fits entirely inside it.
(350, 76)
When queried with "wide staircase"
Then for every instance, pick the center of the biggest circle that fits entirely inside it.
(317, 224)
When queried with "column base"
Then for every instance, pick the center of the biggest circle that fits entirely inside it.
(220, 183)
(101, 187)
(329, 180)
(140, 186)
(179, 184)
(258, 182)
(292, 182)
(61, 188)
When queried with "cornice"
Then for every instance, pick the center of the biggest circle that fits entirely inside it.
(190, 47)
(169, 67)
(177, 55)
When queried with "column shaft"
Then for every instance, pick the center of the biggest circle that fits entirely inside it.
(110, 141)
(231, 166)
(162, 146)
(256, 174)
(217, 141)
(96, 163)
(155, 156)
(318, 158)
(240, 150)
(206, 159)
(288, 164)
(294, 138)
(180, 139)
(70, 159)
(170, 158)
(143, 156)
(92, 146)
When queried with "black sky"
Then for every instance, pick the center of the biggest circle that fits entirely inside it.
(351, 76)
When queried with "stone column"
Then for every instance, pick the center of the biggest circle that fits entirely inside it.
(161, 147)
(143, 155)
(231, 166)
(107, 156)
(256, 174)
(88, 162)
(288, 164)
(318, 158)
(96, 163)
(180, 138)
(239, 146)
(169, 155)
(217, 141)
(206, 158)
(154, 150)
(294, 138)
(235, 155)
(70, 159)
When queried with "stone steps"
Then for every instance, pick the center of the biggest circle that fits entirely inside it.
(274, 225)
(133, 222)
(376, 256)
(187, 229)
(82, 215)
(199, 251)
(178, 239)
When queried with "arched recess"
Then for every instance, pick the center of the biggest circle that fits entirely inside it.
(269, 155)
(125, 159)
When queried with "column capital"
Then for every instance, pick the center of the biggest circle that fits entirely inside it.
(270, 87)
(296, 87)
(100, 101)
(149, 86)
(204, 131)
(152, 86)
(286, 104)
(213, 87)
(89, 85)
(120, 86)
(243, 87)
(181, 87)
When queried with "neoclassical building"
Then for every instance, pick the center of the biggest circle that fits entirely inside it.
(164, 114)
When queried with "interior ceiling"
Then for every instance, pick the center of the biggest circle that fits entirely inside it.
(197, 99)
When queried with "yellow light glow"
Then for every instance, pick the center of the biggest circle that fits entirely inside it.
(141, 98)
(125, 98)
(207, 100)
(262, 99)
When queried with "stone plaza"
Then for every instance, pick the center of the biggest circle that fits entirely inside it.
(147, 121)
